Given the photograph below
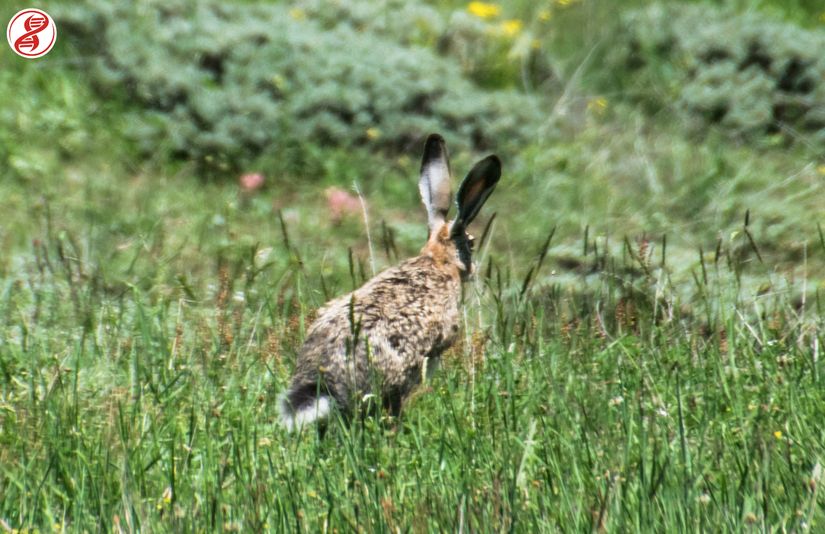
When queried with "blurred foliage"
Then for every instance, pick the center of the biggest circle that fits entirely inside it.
(747, 73)
(223, 84)
(230, 85)
(493, 48)
(279, 89)
(150, 318)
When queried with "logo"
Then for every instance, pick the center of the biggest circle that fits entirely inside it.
(31, 33)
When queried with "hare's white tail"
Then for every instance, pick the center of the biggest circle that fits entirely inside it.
(299, 409)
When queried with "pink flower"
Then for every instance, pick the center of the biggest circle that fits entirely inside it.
(251, 182)
(341, 203)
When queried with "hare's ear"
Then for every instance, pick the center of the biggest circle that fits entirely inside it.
(476, 187)
(434, 183)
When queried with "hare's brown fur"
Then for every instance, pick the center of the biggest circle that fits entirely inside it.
(403, 317)
(380, 339)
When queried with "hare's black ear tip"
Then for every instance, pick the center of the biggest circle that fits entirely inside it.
(434, 138)
(493, 163)
(434, 148)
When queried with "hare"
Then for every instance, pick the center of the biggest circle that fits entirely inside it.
(381, 339)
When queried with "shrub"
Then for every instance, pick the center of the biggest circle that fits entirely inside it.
(748, 74)
(494, 51)
(223, 84)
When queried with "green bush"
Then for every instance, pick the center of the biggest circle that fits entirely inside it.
(494, 52)
(749, 74)
(224, 84)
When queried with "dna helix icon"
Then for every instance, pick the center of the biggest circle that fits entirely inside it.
(29, 40)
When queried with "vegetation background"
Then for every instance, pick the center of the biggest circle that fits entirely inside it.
(183, 183)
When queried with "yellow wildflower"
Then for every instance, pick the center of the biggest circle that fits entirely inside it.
(545, 15)
(483, 10)
(597, 105)
(373, 133)
(511, 27)
(165, 498)
(279, 82)
(821, 169)
(778, 434)
(297, 13)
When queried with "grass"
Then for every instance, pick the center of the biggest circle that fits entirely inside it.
(656, 365)
(140, 372)
(129, 407)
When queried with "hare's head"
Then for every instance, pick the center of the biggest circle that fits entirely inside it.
(448, 240)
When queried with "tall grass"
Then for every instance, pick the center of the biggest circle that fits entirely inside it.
(619, 406)
(653, 363)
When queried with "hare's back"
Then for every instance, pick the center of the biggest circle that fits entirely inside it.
(403, 315)
(398, 299)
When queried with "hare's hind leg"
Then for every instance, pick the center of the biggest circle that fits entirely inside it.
(392, 402)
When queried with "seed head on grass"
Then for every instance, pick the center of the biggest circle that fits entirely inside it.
(272, 350)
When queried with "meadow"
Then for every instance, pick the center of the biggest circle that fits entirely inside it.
(642, 345)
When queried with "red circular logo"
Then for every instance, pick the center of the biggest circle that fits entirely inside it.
(31, 33)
